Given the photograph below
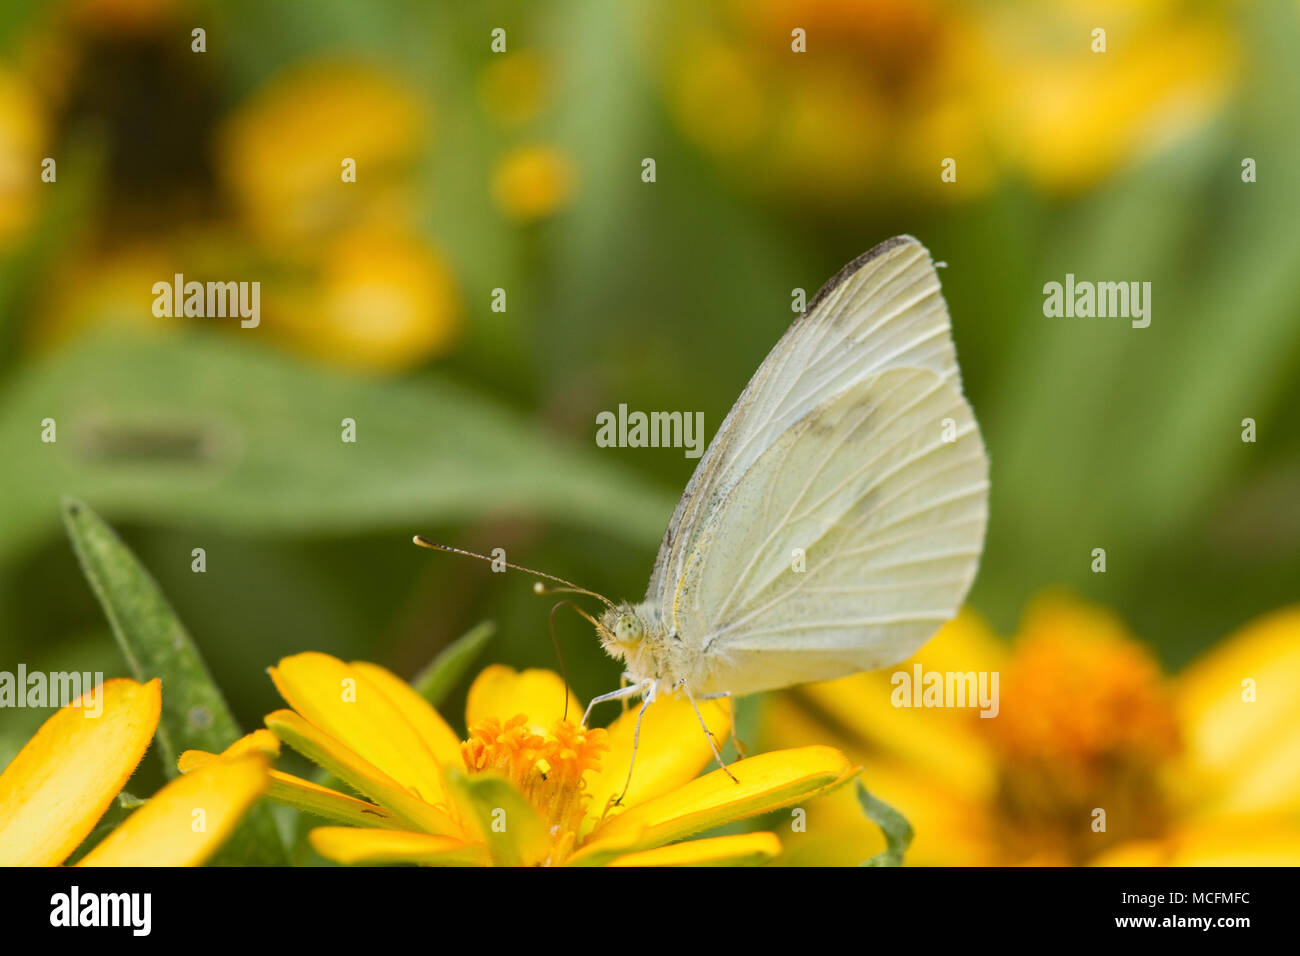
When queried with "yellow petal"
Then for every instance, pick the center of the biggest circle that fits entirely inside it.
(1135, 853)
(745, 849)
(515, 835)
(953, 826)
(193, 759)
(945, 742)
(1246, 753)
(672, 751)
(59, 785)
(963, 644)
(440, 738)
(294, 791)
(186, 821)
(1251, 840)
(502, 692)
(313, 798)
(766, 782)
(353, 845)
(324, 750)
(604, 851)
(1278, 846)
(344, 703)
(259, 741)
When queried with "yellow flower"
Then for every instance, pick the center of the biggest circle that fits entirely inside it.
(1190, 770)
(887, 91)
(323, 164)
(282, 152)
(1067, 115)
(59, 785)
(528, 787)
(22, 137)
(380, 299)
(532, 182)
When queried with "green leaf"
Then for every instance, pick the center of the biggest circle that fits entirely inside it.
(898, 832)
(156, 644)
(515, 835)
(152, 638)
(207, 430)
(129, 801)
(446, 670)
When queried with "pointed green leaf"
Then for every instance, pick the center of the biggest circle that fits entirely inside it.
(446, 670)
(156, 644)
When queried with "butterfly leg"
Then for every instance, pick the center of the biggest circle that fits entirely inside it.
(621, 694)
(741, 750)
(707, 733)
(636, 741)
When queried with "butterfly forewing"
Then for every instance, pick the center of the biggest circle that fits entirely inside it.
(884, 310)
(837, 447)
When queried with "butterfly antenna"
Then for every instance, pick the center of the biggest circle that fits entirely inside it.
(555, 642)
(538, 587)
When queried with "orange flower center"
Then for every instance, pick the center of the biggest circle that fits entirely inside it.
(1087, 725)
(547, 768)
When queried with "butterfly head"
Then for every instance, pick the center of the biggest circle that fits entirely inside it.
(634, 635)
(621, 630)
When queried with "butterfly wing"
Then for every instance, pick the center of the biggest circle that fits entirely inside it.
(883, 310)
(846, 544)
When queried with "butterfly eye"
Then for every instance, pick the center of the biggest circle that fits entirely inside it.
(627, 629)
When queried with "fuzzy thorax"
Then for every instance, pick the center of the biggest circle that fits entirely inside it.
(637, 636)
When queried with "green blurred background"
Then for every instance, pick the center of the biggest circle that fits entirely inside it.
(521, 171)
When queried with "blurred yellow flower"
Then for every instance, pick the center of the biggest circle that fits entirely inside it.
(528, 787)
(22, 136)
(58, 786)
(1068, 116)
(379, 298)
(532, 182)
(1189, 770)
(351, 281)
(282, 153)
(719, 74)
(887, 91)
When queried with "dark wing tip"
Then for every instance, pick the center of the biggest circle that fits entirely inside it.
(875, 252)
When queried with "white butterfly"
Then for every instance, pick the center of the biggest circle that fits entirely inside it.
(837, 518)
(835, 451)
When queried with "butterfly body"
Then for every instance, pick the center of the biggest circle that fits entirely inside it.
(652, 653)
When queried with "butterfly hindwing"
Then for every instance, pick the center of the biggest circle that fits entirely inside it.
(846, 544)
